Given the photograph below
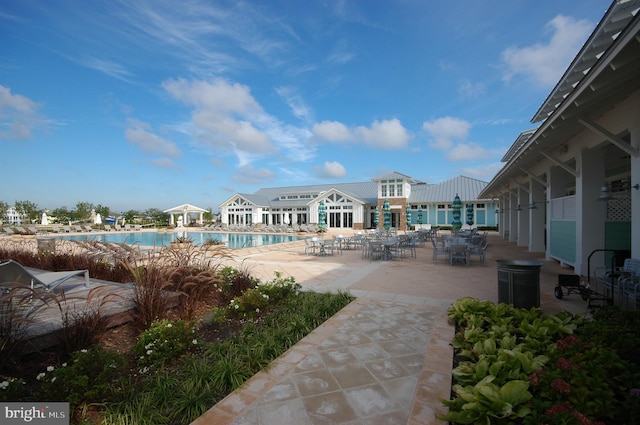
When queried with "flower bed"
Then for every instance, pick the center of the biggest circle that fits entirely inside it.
(517, 366)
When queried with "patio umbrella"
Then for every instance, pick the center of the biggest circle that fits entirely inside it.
(386, 209)
(457, 206)
(322, 216)
(420, 216)
(408, 216)
(45, 219)
(376, 217)
(469, 214)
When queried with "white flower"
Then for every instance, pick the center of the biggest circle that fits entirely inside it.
(53, 379)
(50, 368)
(84, 350)
(236, 306)
(257, 310)
(194, 342)
(40, 376)
(4, 385)
(64, 364)
(149, 352)
(148, 346)
(169, 325)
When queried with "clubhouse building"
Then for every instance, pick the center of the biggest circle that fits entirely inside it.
(356, 206)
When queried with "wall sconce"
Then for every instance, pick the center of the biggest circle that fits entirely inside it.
(519, 208)
(498, 211)
(605, 195)
(533, 206)
(636, 186)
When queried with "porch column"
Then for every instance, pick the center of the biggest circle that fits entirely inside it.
(635, 194)
(513, 216)
(590, 214)
(537, 225)
(523, 217)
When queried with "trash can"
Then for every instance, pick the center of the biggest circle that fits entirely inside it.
(519, 283)
(46, 245)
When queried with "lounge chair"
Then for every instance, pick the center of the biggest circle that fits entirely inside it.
(15, 275)
(88, 228)
(107, 227)
(8, 231)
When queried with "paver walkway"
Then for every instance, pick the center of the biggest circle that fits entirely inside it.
(385, 358)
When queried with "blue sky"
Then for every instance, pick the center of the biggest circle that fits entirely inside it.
(150, 104)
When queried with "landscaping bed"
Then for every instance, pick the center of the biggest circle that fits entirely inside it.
(518, 366)
(166, 365)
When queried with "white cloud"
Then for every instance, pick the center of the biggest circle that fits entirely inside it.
(295, 102)
(445, 130)
(545, 63)
(163, 163)
(332, 131)
(467, 151)
(249, 175)
(226, 116)
(484, 173)
(18, 116)
(139, 134)
(331, 170)
(386, 134)
(471, 90)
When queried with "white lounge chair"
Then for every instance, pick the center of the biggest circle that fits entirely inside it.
(15, 275)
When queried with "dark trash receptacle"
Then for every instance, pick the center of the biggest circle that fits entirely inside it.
(46, 245)
(519, 283)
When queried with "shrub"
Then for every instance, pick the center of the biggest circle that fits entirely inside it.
(164, 342)
(88, 377)
(234, 282)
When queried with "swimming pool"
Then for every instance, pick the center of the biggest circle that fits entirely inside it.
(231, 240)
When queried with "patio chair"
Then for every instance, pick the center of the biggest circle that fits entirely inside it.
(310, 245)
(479, 250)
(630, 289)
(438, 249)
(459, 254)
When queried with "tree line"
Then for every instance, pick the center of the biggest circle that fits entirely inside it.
(30, 213)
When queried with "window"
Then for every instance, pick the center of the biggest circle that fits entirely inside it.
(399, 189)
(384, 190)
(391, 190)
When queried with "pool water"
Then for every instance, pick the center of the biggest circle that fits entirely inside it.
(231, 240)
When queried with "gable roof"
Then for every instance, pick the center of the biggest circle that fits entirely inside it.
(185, 208)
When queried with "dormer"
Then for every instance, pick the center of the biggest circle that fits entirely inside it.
(394, 185)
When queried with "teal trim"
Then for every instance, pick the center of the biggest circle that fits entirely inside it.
(441, 218)
(563, 240)
(617, 235)
(481, 217)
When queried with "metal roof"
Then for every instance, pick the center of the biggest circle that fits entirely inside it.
(394, 175)
(515, 147)
(367, 192)
(466, 188)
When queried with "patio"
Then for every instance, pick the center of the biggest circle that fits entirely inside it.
(393, 296)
